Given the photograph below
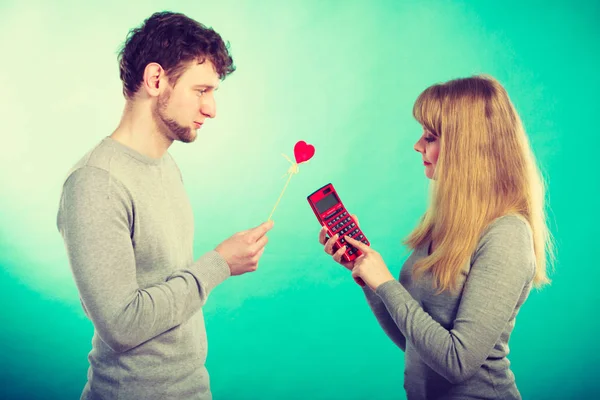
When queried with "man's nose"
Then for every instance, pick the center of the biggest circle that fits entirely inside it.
(209, 108)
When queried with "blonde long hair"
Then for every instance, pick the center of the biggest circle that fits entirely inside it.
(485, 169)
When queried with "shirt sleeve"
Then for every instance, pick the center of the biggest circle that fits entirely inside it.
(384, 319)
(501, 267)
(94, 218)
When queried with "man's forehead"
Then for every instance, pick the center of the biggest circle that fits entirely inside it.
(202, 74)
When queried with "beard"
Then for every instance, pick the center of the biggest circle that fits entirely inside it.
(168, 125)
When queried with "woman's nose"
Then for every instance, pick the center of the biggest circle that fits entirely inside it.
(419, 146)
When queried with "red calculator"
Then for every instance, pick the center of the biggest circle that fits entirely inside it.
(332, 214)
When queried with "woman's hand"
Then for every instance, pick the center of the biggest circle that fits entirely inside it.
(329, 242)
(337, 256)
(375, 268)
(369, 266)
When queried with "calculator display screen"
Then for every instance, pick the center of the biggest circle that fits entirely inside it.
(326, 203)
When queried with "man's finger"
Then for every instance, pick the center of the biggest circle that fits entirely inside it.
(260, 230)
(260, 243)
(359, 245)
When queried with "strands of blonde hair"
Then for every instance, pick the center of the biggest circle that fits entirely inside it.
(485, 169)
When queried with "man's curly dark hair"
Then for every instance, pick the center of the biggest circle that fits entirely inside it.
(171, 40)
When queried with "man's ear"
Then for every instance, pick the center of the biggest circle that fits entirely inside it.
(154, 79)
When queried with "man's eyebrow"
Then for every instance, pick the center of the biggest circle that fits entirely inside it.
(204, 86)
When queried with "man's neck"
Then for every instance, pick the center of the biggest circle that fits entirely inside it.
(138, 131)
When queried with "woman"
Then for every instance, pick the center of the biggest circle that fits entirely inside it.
(479, 248)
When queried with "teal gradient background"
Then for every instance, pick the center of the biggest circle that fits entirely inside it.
(342, 75)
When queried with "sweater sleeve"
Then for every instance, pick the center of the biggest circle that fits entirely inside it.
(502, 266)
(94, 219)
(384, 319)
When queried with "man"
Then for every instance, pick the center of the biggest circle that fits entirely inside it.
(128, 225)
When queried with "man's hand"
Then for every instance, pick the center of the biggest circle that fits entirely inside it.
(243, 250)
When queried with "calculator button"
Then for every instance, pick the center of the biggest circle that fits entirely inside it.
(353, 225)
(361, 236)
(344, 214)
(364, 241)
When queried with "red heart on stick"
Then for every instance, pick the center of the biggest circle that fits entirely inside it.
(303, 152)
